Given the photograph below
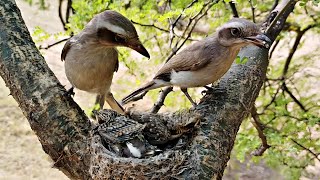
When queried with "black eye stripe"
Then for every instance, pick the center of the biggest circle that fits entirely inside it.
(119, 39)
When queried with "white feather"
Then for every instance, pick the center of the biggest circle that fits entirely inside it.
(191, 78)
(114, 28)
(232, 25)
(133, 150)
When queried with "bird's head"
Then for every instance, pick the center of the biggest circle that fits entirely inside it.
(113, 29)
(241, 32)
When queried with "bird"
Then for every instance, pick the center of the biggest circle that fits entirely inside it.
(91, 56)
(120, 134)
(207, 60)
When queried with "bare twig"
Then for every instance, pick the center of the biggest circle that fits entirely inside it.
(178, 18)
(272, 100)
(295, 47)
(285, 89)
(60, 15)
(159, 28)
(53, 44)
(162, 97)
(252, 11)
(69, 7)
(196, 19)
(307, 149)
(150, 25)
(257, 124)
(273, 48)
(234, 9)
(173, 24)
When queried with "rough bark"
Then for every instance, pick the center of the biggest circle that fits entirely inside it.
(64, 130)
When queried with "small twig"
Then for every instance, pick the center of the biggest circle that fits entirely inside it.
(257, 124)
(252, 11)
(272, 99)
(273, 48)
(178, 18)
(162, 97)
(295, 47)
(159, 28)
(150, 25)
(60, 15)
(285, 89)
(53, 44)
(196, 18)
(307, 149)
(234, 9)
(69, 7)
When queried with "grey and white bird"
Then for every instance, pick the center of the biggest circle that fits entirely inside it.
(205, 61)
(91, 56)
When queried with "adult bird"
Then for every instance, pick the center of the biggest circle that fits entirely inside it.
(91, 56)
(205, 61)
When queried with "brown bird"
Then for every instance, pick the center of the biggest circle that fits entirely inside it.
(205, 61)
(91, 56)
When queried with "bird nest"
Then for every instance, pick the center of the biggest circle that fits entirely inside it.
(175, 161)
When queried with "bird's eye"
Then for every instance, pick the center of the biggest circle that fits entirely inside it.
(119, 39)
(235, 32)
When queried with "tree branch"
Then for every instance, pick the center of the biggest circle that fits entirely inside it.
(161, 98)
(295, 47)
(234, 9)
(150, 25)
(315, 155)
(53, 44)
(65, 132)
(257, 124)
(252, 11)
(285, 89)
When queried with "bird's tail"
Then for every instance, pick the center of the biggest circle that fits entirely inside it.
(150, 85)
(114, 103)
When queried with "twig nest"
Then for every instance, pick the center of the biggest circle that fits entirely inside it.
(172, 159)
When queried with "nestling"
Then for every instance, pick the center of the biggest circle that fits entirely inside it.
(91, 56)
(205, 61)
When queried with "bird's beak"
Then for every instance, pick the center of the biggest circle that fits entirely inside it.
(260, 40)
(140, 49)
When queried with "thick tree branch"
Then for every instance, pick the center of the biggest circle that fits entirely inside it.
(61, 126)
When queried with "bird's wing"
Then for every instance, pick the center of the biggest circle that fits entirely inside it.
(65, 49)
(191, 58)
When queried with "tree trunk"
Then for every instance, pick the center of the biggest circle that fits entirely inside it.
(64, 130)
